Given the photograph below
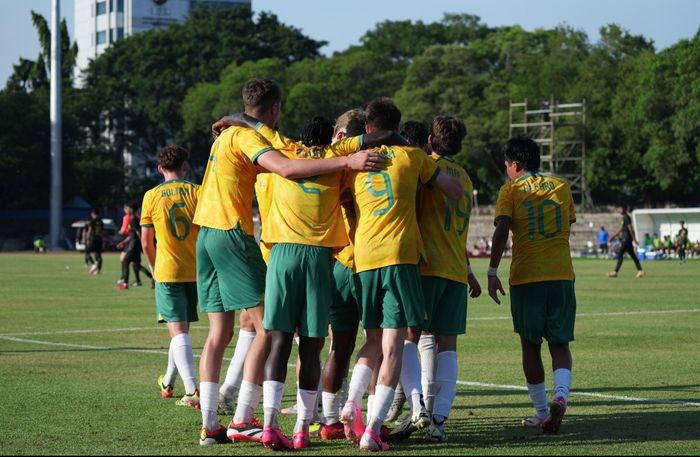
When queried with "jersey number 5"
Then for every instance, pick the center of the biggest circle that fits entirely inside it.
(540, 223)
(174, 219)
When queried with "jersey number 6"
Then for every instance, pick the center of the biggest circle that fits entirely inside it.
(174, 219)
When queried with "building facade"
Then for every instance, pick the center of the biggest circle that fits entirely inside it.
(99, 23)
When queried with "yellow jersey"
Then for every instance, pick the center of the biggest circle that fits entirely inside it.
(306, 211)
(169, 208)
(444, 224)
(385, 203)
(346, 255)
(263, 194)
(541, 210)
(227, 189)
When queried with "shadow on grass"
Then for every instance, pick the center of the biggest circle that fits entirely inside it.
(623, 428)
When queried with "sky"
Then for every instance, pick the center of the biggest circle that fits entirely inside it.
(342, 23)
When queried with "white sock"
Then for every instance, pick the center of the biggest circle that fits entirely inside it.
(410, 376)
(370, 404)
(208, 397)
(426, 347)
(538, 395)
(384, 395)
(562, 384)
(184, 361)
(445, 383)
(248, 399)
(171, 371)
(306, 406)
(272, 399)
(331, 413)
(234, 374)
(361, 376)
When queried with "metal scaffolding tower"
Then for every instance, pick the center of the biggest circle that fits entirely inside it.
(559, 130)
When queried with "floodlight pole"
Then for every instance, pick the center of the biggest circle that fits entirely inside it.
(56, 153)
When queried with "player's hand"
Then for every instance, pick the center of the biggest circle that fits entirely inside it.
(366, 161)
(474, 286)
(494, 287)
(237, 120)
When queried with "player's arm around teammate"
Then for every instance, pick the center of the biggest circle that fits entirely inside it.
(230, 268)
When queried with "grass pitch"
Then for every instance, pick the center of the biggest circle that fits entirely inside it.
(79, 361)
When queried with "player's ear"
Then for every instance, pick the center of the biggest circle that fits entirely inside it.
(430, 141)
(160, 169)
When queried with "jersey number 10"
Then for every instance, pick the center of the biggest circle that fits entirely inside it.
(540, 222)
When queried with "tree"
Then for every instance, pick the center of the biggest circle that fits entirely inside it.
(144, 110)
(29, 75)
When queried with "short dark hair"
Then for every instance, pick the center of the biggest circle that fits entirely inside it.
(95, 210)
(382, 113)
(353, 121)
(171, 157)
(134, 205)
(523, 150)
(416, 133)
(624, 206)
(261, 93)
(447, 133)
(317, 131)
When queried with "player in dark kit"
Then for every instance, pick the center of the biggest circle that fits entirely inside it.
(627, 241)
(132, 250)
(93, 242)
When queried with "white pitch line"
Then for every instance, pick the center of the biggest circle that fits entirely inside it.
(464, 383)
(584, 394)
(96, 330)
(201, 327)
(87, 346)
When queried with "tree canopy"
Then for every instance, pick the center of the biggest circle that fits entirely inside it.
(162, 86)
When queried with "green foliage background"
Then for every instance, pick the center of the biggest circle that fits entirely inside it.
(642, 106)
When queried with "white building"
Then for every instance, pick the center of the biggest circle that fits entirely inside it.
(99, 23)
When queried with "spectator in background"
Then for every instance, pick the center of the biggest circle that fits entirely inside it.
(656, 243)
(603, 238)
(647, 242)
(681, 242)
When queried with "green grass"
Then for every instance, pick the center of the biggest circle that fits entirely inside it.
(90, 396)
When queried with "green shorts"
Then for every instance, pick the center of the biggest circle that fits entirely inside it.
(445, 305)
(176, 301)
(544, 310)
(299, 289)
(392, 297)
(230, 270)
(345, 309)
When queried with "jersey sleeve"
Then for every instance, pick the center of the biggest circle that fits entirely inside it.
(428, 169)
(147, 210)
(504, 204)
(276, 139)
(346, 146)
(253, 144)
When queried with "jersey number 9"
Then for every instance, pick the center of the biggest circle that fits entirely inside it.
(386, 191)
